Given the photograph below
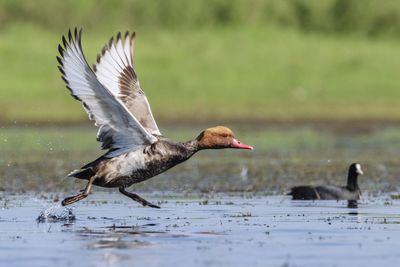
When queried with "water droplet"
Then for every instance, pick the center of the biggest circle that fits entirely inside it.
(56, 213)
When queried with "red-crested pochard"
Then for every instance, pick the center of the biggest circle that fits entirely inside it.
(111, 95)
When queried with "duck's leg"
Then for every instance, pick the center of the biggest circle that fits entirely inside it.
(85, 193)
(137, 198)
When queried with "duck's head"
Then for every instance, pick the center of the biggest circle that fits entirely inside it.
(219, 137)
(355, 169)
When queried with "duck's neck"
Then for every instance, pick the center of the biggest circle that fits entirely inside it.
(195, 145)
(191, 147)
(352, 183)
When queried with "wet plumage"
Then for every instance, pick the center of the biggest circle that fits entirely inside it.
(112, 97)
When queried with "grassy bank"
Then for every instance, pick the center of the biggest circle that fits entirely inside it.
(222, 73)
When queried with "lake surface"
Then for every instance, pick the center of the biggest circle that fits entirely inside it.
(220, 208)
(111, 230)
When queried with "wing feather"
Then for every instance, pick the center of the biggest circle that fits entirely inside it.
(119, 131)
(114, 69)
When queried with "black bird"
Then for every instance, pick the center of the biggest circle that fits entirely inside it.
(330, 192)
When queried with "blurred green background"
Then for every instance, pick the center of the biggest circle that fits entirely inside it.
(221, 60)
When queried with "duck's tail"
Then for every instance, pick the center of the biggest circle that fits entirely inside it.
(85, 173)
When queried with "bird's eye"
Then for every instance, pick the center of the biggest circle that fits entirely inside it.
(224, 135)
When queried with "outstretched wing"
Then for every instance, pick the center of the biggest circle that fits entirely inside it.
(114, 69)
(118, 131)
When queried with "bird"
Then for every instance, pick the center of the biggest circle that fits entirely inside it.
(111, 95)
(330, 192)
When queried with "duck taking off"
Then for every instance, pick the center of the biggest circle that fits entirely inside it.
(111, 95)
(328, 192)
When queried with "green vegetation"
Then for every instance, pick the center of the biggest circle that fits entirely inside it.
(213, 60)
(369, 17)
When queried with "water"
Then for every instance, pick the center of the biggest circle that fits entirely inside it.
(110, 230)
(56, 213)
(220, 208)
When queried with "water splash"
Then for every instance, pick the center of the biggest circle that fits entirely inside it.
(56, 213)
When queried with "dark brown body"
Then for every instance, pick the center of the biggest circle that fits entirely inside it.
(137, 166)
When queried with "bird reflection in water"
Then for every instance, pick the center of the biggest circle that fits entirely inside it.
(352, 204)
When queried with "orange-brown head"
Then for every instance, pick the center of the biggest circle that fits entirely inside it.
(219, 137)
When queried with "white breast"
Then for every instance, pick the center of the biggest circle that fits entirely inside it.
(125, 164)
